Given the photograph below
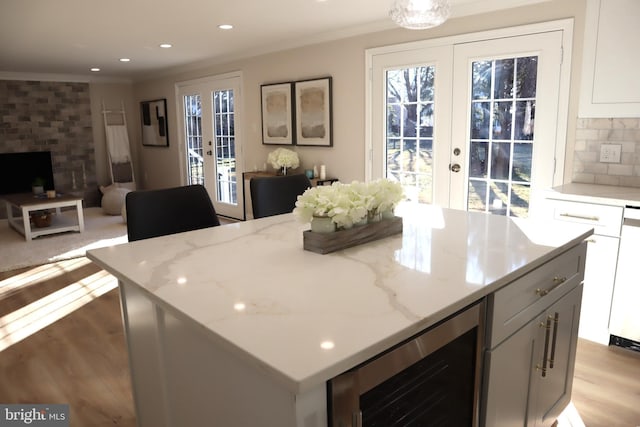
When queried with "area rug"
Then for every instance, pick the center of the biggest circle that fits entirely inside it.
(100, 230)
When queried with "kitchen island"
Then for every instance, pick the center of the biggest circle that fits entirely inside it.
(239, 326)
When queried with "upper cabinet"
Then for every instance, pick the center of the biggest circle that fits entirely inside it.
(610, 80)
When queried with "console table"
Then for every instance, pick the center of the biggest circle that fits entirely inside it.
(19, 207)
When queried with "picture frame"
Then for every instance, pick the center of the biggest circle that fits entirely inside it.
(155, 128)
(314, 112)
(277, 114)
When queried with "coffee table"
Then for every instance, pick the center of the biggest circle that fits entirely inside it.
(19, 207)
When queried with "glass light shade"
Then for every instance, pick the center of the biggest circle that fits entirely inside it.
(419, 14)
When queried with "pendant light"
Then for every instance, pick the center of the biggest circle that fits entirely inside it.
(419, 14)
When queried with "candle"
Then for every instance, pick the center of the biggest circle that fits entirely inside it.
(323, 172)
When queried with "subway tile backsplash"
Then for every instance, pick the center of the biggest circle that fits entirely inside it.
(591, 134)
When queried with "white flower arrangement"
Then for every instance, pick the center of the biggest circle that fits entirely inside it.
(283, 158)
(385, 195)
(348, 204)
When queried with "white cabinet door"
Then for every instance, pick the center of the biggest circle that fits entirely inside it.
(625, 321)
(599, 274)
(610, 84)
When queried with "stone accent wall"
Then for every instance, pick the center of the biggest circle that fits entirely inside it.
(590, 135)
(56, 117)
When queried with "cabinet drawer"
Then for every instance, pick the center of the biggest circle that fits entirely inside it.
(605, 219)
(514, 305)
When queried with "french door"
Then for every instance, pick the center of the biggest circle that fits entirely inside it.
(210, 114)
(470, 125)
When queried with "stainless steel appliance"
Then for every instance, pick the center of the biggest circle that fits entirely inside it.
(432, 379)
(624, 324)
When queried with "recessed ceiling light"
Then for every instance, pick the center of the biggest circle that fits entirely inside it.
(95, 69)
(166, 45)
(124, 60)
(327, 345)
(225, 26)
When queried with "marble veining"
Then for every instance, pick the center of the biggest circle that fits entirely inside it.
(304, 318)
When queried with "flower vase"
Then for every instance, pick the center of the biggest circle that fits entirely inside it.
(322, 224)
(363, 221)
(374, 216)
(283, 170)
(387, 214)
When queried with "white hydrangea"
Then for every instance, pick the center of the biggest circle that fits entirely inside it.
(283, 158)
(348, 204)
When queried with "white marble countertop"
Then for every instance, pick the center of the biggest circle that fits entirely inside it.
(595, 193)
(304, 318)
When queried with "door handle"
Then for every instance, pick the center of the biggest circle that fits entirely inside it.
(454, 168)
(557, 281)
(556, 320)
(547, 326)
(585, 217)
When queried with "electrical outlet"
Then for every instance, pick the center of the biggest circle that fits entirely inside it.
(610, 153)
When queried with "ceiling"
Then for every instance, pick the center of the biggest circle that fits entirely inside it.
(71, 36)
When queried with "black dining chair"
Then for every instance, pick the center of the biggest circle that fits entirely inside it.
(152, 213)
(275, 195)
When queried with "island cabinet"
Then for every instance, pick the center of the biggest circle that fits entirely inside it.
(532, 334)
(217, 339)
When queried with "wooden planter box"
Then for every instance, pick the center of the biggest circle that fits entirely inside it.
(324, 243)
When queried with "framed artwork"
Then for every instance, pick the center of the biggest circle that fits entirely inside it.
(277, 114)
(155, 129)
(313, 116)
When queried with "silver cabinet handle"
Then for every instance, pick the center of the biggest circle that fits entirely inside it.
(556, 319)
(587, 217)
(557, 281)
(547, 326)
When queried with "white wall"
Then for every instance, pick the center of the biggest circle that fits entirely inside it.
(344, 61)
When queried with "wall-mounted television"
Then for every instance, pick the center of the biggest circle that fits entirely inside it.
(18, 171)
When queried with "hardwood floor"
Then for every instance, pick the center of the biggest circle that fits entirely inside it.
(606, 385)
(81, 358)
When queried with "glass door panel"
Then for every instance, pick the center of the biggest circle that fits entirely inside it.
(211, 141)
(502, 114)
(507, 93)
(225, 152)
(193, 138)
(409, 146)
